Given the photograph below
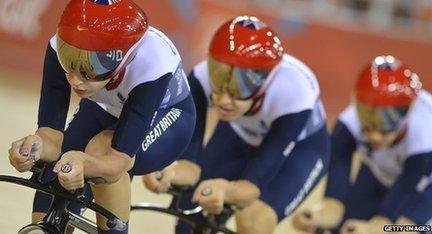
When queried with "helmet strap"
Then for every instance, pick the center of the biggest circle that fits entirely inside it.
(256, 105)
(116, 80)
(130, 55)
(401, 134)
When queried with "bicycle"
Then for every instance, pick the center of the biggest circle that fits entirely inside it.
(61, 199)
(191, 216)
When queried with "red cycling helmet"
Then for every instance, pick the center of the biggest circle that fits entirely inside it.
(99, 37)
(387, 82)
(384, 93)
(242, 53)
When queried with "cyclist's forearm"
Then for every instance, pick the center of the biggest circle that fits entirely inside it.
(405, 220)
(379, 221)
(186, 173)
(241, 193)
(110, 167)
(52, 141)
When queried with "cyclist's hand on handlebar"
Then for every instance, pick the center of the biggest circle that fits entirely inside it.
(305, 220)
(372, 226)
(24, 152)
(325, 215)
(210, 195)
(356, 226)
(160, 181)
(73, 177)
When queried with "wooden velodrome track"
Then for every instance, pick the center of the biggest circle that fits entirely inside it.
(19, 103)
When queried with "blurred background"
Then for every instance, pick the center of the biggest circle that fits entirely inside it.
(336, 38)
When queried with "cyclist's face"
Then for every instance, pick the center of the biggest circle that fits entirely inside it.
(82, 87)
(229, 108)
(381, 125)
(239, 83)
(379, 139)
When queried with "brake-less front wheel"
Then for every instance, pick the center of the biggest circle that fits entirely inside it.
(37, 229)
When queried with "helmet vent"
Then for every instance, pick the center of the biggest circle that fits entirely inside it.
(382, 63)
(250, 22)
(105, 2)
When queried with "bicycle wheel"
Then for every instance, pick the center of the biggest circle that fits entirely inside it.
(36, 229)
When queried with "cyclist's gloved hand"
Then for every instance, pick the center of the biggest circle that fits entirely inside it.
(210, 195)
(24, 152)
(326, 215)
(160, 181)
(70, 170)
